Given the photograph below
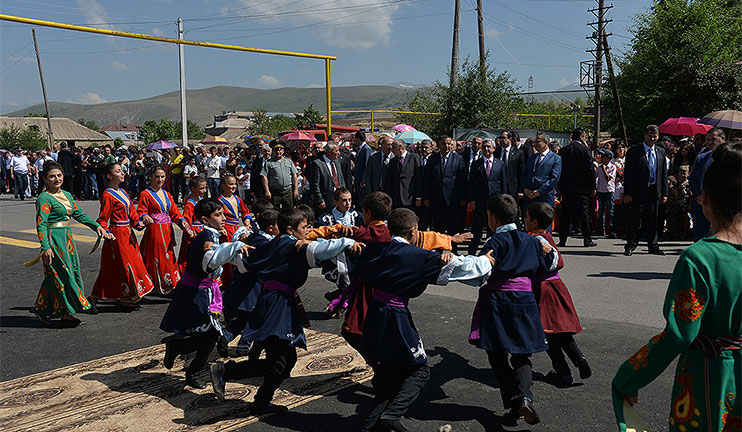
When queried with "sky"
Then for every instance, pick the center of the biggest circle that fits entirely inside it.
(377, 42)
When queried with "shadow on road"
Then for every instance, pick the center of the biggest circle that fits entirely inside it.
(633, 275)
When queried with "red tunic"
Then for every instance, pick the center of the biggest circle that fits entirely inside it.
(558, 314)
(122, 275)
(195, 225)
(234, 211)
(158, 242)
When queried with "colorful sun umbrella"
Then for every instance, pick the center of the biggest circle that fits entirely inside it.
(159, 145)
(729, 119)
(403, 128)
(215, 140)
(297, 136)
(687, 126)
(412, 137)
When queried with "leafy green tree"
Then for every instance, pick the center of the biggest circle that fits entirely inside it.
(195, 132)
(29, 138)
(35, 115)
(684, 60)
(480, 98)
(271, 126)
(151, 131)
(118, 142)
(309, 117)
(90, 124)
(562, 119)
(280, 123)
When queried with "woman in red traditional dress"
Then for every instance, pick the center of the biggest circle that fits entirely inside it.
(123, 276)
(234, 211)
(198, 190)
(158, 211)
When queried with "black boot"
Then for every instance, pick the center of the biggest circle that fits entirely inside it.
(195, 381)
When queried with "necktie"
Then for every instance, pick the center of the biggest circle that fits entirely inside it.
(334, 175)
(505, 155)
(401, 162)
(488, 167)
(652, 167)
(425, 159)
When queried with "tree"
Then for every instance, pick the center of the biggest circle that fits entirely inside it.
(309, 117)
(29, 138)
(152, 131)
(480, 98)
(271, 126)
(90, 124)
(194, 131)
(684, 60)
(35, 115)
(118, 142)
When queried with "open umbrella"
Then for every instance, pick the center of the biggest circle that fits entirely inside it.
(729, 119)
(687, 126)
(468, 136)
(412, 137)
(215, 140)
(403, 128)
(297, 136)
(159, 145)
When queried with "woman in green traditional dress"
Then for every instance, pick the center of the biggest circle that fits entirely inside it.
(61, 292)
(703, 309)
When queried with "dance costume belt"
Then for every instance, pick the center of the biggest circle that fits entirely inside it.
(161, 218)
(197, 224)
(521, 283)
(231, 222)
(280, 286)
(550, 276)
(207, 284)
(120, 223)
(714, 345)
(390, 299)
(65, 224)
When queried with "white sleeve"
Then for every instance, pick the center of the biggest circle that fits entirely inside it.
(553, 255)
(225, 253)
(471, 270)
(322, 250)
(240, 231)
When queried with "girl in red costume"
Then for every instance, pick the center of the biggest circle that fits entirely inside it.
(234, 211)
(198, 190)
(123, 276)
(158, 211)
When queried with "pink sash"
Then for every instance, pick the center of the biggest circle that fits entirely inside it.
(208, 284)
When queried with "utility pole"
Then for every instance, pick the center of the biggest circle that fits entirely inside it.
(598, 36)
(455, 49)
(183, 113)
(480, 20)
(614, 87)
(50, 142)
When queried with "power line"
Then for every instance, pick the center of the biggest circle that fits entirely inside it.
(28, 53)
(15, 52)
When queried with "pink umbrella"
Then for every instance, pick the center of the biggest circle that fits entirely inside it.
(297, 136)
(403, 128)
(687, 126)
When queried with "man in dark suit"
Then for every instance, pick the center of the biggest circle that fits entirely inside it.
(425, 149)
(444, 187)
(375, 173)
(326, 177)
(363, 154)
(472, 152)
(514, 160)
(68, 160)
(487, 178)
(403, 180)
(645, 186)
(344, 159)
(577, 186)
(256, 182)
(542, 173)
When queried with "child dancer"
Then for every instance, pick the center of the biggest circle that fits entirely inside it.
(397, 271)
(558, 315)
(283, 264)
(123, 276)
(157, 210)
(234, 211)
(198, 188)
(193, 313)
(506, 321)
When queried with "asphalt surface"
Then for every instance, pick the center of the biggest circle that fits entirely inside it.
(619, 300)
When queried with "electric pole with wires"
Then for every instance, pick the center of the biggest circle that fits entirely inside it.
(598, 37)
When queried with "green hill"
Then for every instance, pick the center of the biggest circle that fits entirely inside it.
(204, 103)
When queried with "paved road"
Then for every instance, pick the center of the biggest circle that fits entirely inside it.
(619, 300)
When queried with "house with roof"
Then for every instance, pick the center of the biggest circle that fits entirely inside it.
(125, 131)
(63, 129)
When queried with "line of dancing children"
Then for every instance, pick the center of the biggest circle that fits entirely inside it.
(522, 303)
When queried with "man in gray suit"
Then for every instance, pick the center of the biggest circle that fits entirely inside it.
(404, 182)
(326, 177)
(375, 174)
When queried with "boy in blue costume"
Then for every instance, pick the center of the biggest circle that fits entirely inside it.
(506, 321)
(283, 265)
(196, 305)
(390, 343)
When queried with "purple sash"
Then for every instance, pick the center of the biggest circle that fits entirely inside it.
(161, 218)
(209, 284)
(390, 299)
(276, 285)
(495, 284)
(550, 276)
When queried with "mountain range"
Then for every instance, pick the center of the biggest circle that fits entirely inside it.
(203, 104)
